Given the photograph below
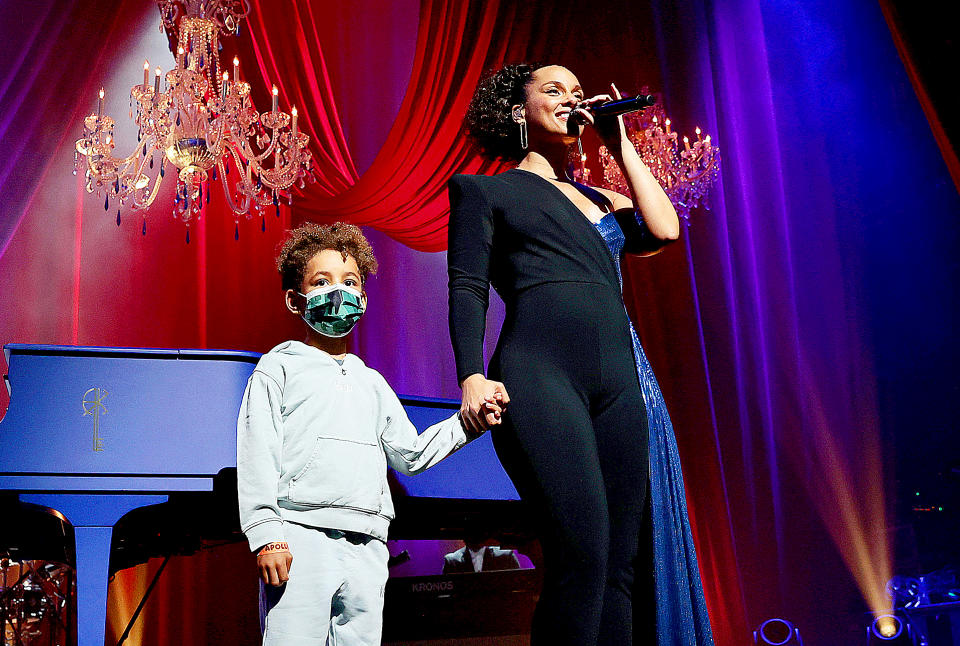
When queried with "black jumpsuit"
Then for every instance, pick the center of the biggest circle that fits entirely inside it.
(574, 438)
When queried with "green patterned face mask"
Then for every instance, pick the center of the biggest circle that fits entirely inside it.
(333, 310)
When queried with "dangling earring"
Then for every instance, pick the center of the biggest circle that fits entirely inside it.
(523, 134)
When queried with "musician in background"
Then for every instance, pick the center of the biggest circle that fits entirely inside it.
(477, 556)
(316, 431)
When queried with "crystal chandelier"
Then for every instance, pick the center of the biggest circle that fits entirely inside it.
(200, 122)
(685, 175)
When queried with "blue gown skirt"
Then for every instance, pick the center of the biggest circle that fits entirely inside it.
(681, 610)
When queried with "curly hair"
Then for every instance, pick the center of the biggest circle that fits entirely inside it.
(488, 122)
(308, 240)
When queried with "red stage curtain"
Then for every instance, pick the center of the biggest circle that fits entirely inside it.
(404, 193)
(300, 49)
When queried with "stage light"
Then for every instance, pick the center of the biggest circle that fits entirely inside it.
(777, 632)
(889, 630)
(887, 627)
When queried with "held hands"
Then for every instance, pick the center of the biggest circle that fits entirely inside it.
(483, 403)
(274, 561)
(610, 129)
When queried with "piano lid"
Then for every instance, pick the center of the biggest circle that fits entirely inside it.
(121, 411)
(473, 472)
(150, 419)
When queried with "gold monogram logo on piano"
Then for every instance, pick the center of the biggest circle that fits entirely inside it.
(93, 406)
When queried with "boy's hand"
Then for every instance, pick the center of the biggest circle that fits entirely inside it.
(274, 561)
(491, 410)
(488, 417)
(483, 403)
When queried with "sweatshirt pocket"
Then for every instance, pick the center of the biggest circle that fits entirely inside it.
(340, 473)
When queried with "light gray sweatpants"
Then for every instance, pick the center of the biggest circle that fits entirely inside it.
(334, 596)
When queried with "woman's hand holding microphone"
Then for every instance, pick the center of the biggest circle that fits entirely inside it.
(611, 130)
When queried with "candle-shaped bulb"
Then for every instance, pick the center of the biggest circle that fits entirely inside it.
(146, 74)
(156, 81)
(686, 143)
(707, 139)
(236, 69)
(100, 102)
(293, 126)
(223, 87)
(654, 119)
(698, 133)
(275, 97)
(667, 124)
(101, 93)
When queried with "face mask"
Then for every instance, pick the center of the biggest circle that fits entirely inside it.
(333, 310)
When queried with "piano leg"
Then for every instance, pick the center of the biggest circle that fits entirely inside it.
(93, 517)
(93, 562)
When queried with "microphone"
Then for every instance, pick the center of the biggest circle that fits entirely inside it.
(622, 106)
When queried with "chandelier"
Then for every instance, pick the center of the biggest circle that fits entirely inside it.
(685, 175)
(198, 121)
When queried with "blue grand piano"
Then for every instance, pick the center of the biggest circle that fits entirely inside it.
(96, 433)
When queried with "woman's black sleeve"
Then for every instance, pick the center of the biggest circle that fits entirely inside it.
(468, 267)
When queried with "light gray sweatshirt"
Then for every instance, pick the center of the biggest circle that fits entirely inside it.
(314, 439)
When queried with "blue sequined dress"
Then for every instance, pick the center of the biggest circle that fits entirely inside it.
(682, 618)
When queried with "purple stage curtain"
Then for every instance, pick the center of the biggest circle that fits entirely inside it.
(38, 77)
(830, 174)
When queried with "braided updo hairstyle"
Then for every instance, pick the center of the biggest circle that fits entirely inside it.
(489, 123)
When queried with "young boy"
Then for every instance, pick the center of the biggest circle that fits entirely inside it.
(316, 432)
